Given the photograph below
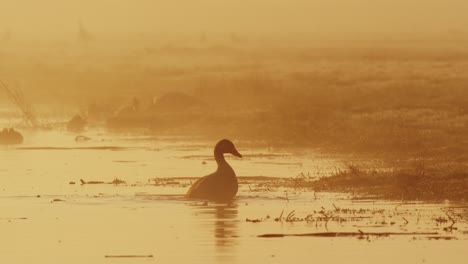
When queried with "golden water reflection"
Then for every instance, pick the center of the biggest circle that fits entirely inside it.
(224, 221)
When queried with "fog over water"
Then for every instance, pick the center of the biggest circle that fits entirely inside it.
(347, 123)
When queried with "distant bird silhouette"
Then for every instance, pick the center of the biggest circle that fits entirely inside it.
(220, 186)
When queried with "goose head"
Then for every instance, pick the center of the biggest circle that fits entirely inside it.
(226, 146)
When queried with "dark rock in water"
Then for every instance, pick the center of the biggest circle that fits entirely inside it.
(82, 138)
(77, 123)
(9, 136)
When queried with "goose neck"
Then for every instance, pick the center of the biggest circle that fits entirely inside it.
(219, 157)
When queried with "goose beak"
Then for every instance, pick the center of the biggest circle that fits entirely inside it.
(236, 153)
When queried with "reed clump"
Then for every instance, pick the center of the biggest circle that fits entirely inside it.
(417, 182)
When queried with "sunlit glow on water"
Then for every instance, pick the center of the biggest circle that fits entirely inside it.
(45, 219)
(48, 161)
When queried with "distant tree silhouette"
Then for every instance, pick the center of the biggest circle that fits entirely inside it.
(83, 33)
(17, 97)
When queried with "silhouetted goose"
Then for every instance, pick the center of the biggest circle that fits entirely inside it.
(221, 185)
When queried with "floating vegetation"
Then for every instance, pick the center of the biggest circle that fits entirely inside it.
(14, 218)
(116, 181)
(344, 218)
(359, 234)
(91, 182)
(163, 181)
(441, 238)
(82, 138)
(261, 187)
(253, 220)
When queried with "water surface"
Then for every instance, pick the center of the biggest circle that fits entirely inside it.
(44, 218)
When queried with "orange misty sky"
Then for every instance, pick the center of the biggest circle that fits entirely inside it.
(58, 17)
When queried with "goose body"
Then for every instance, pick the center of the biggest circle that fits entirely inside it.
(221, 185)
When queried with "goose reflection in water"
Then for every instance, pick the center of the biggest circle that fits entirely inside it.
(224, 219)
(226, 223)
